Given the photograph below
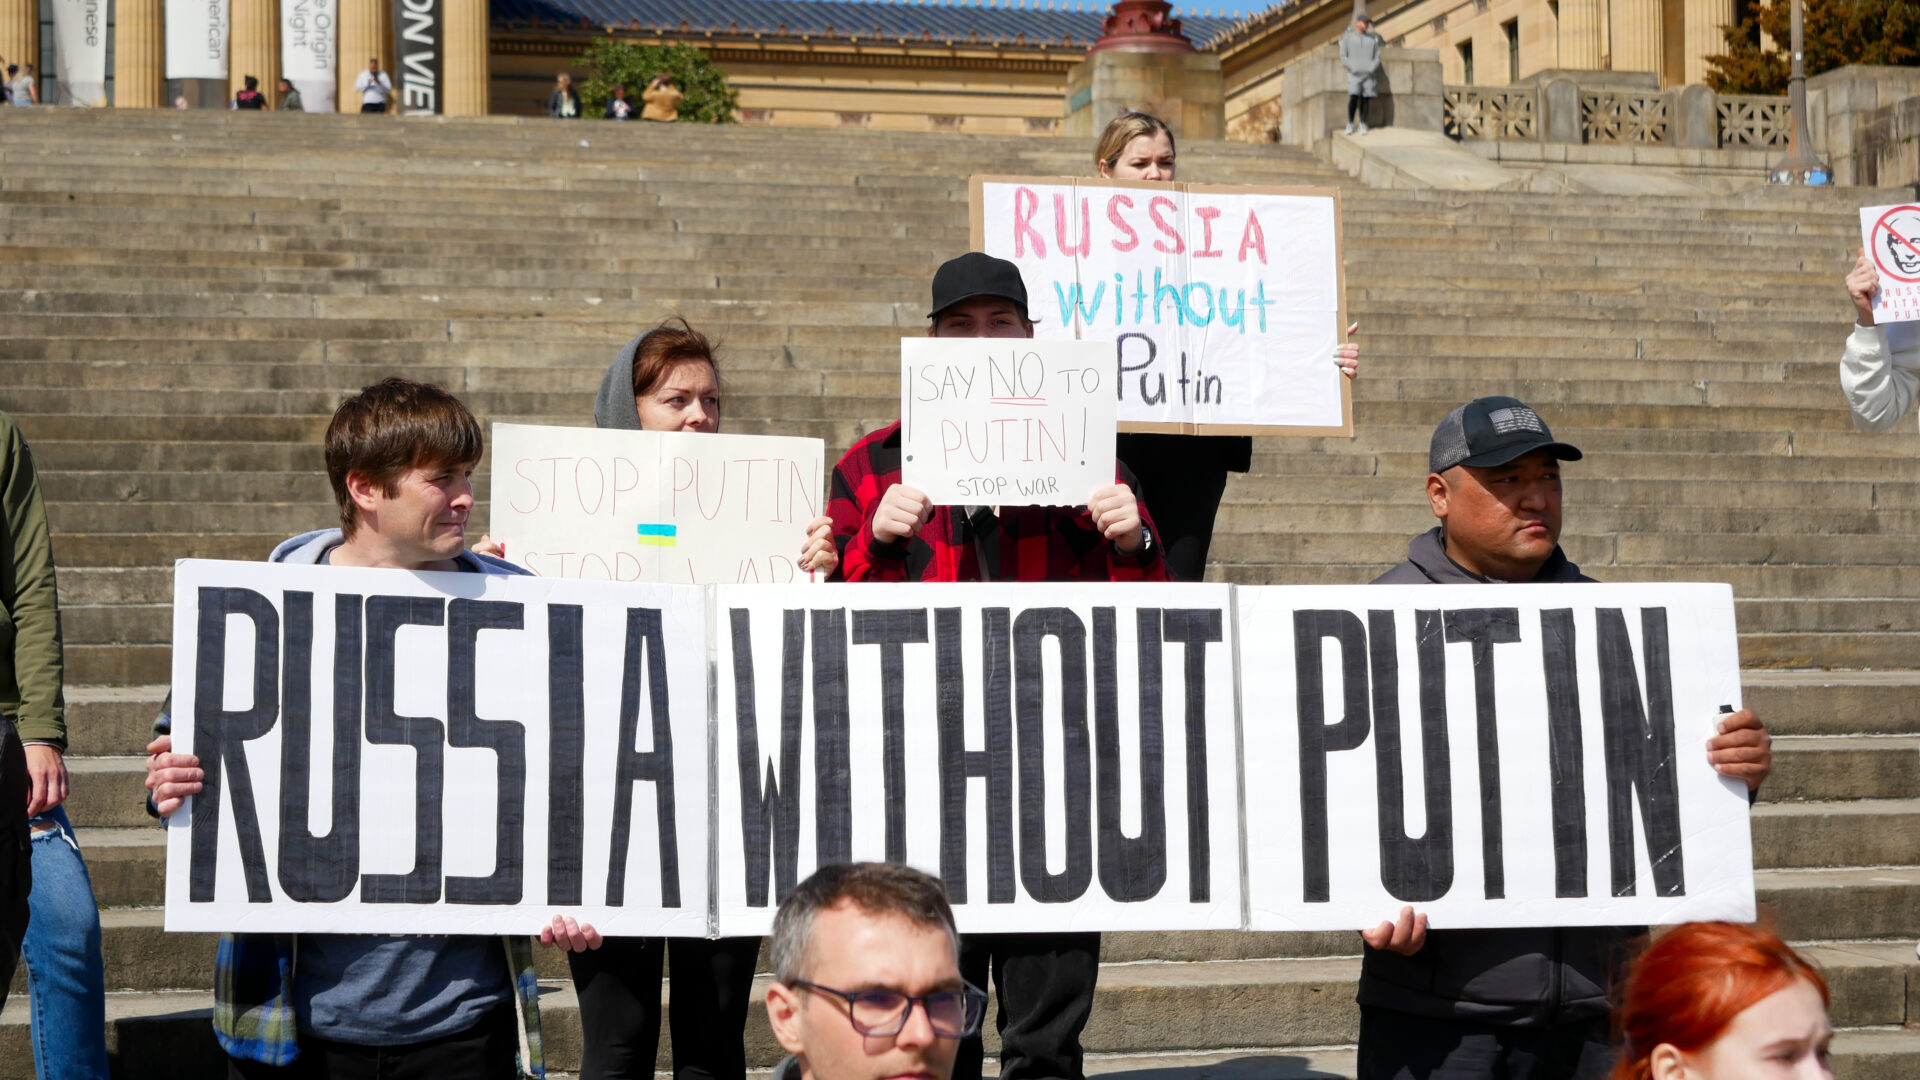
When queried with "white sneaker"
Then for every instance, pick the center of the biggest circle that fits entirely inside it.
(1363, 127)
(1349, 127)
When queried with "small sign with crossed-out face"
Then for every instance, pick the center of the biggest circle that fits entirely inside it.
(1891, 237)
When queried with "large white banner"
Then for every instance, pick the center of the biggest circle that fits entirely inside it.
(80, 39)
(197, 39)
(437, 753)
(1512, 756)
(309, 51)
(1006, 421)
(1222, 305)
(458, 753)
(668, 506)
(1061, 755)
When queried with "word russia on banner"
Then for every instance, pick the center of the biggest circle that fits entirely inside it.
(671, 506)
(1062, 756)
(1222, 306)
(1512, 756)
(1006, 421)
(432, 753)
(196, 39)
(1891, 237)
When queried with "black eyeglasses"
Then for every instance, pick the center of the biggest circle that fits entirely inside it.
(953, 1014)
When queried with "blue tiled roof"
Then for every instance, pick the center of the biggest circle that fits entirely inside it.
(867, 18)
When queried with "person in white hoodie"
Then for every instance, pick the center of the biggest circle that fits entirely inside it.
(1880, 369)
(1360, 53)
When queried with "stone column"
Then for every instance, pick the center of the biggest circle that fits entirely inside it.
(253, 45)
(1704, 20)
(465, 68)
(362, 36)
(20, 33)
(139, 55)
(1580, 35)
(1637, 41)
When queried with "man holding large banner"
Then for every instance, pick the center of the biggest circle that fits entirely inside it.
(889, 531)
(400, 455)
(1516, 1004)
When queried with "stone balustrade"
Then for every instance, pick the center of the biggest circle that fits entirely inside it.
(1563, 110)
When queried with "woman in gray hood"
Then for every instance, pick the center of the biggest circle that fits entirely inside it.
(666, 379)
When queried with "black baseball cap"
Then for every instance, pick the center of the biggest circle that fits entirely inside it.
(976, 274)
(1492, 431)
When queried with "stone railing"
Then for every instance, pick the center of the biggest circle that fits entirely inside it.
(1492, 112)
(1626, 117)
(1561, 111)
(1754, 120)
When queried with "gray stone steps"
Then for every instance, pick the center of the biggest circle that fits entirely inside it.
(1140, 1006)
(163, 1035)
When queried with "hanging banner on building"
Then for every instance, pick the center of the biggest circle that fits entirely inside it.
(419, 36)
(1006, 421)
(1891, 237)
(1222, 305)
(390, 752)
(309, 51)
(668, 506)
(1512, 756)
(80, 50)
(196, 39)
(1061, 755)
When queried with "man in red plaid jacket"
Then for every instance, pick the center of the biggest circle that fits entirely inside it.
(887, 531)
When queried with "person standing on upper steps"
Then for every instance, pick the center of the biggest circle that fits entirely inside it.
(1183, 476)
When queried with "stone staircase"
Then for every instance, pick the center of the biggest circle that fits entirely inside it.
(185, 297)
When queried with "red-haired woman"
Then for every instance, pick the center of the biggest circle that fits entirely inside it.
(1717, 1001)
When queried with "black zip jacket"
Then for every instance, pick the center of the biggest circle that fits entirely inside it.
(1533, 977)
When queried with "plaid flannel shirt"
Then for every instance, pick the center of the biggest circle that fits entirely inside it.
(253, 1013)
(1019, 543)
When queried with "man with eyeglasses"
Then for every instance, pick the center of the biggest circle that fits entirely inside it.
(868, 967)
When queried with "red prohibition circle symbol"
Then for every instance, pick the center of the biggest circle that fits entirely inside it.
(1885, 239)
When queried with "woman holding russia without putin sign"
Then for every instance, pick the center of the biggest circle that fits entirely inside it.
(666, 379)
(1183, 476)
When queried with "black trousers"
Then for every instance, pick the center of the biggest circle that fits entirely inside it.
(1181, 481)
(1357, 106)
(371, 106)
(16, 851)
(1045, 985)
(619, 989)
(1402, 1046)
(489, 1050)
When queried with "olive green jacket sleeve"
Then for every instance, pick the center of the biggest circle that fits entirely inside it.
(31, 666)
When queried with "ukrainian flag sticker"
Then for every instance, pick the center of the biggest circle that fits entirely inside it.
(657, 535)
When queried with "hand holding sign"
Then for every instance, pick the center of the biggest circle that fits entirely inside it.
(1004, 422)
